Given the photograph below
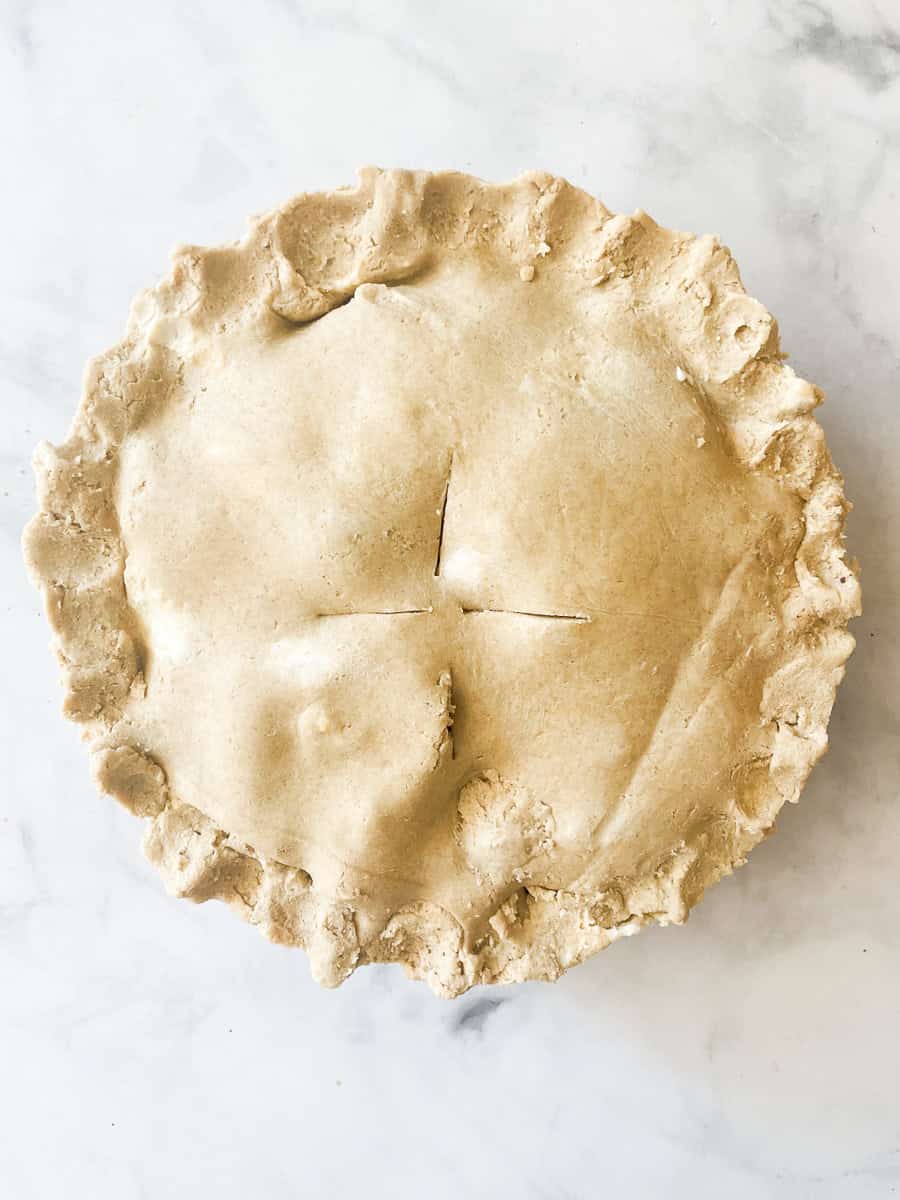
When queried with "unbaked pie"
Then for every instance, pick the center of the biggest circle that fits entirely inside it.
(451, 574)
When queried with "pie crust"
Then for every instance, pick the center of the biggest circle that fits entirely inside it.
(451, 574)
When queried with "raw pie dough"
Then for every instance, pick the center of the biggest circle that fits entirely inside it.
(451, 574)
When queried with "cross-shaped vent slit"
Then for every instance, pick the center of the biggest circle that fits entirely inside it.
(521, 612)
(445, 746)
(376, 612)
(440, 545)
(403, 612)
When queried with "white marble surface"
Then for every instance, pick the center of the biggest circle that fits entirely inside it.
(154, 1049)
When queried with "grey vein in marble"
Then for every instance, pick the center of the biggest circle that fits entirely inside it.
(872, 57)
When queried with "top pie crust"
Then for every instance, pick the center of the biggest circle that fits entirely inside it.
(452, 574)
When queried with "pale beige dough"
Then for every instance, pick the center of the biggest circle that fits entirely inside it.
(451, 573)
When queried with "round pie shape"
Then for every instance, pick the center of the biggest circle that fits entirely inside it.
(452, 574)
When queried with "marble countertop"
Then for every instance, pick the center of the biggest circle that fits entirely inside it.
(155, 1049)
